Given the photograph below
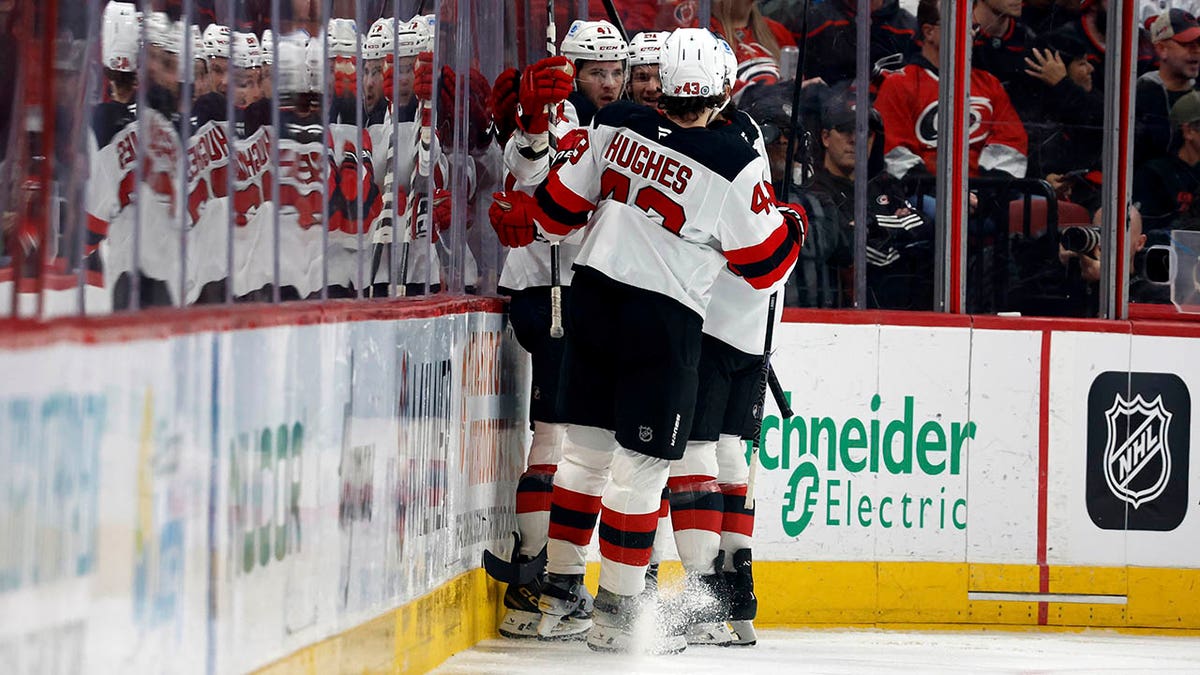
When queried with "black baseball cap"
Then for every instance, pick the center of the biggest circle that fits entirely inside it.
(838, 112)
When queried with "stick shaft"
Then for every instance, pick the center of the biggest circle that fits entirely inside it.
(760, 403)
(556, 323)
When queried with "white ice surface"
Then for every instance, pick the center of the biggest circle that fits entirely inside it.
(856, 651)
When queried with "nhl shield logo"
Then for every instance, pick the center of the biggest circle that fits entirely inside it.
(645, 434)
(1138, 446)
(1137, 465)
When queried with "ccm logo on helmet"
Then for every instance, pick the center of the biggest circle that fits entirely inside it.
(692, 89)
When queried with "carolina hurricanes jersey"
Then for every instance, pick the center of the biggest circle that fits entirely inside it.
(737, 313)
(908, 103)
(669, 206)
(527, 162)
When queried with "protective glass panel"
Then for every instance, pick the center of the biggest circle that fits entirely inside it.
(842, 181)
(1166, 155)
(1037, 89)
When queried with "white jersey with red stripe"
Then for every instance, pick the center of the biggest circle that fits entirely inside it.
(672, 205)
(737, 313)
(114, 219)
(526, 161)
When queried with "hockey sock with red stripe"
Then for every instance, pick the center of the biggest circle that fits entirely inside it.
(579, 481)
(534, 491)
(737, 524)
(629, 520)
(536, 485)
(696, 515)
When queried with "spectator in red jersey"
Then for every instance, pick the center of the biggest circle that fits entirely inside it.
(755, 39)
(908, 102)
(1176, 37)
(832, 36)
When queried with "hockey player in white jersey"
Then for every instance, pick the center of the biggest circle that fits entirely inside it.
(670, 204)
(109, 190)
(132, 204)
(201, 84)
(707, 488)
(216, 48)
(353, 198)
(708, 485)
(401, 161)
(644, 84)
(588, 75)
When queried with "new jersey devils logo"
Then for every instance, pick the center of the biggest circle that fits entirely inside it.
(1137, 464)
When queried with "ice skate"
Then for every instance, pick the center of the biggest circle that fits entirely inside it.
(629, 624)
(565, 608)
(704, 605)
(743, 604)
(522, 615)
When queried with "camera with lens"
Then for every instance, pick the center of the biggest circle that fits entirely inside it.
(1080, 239)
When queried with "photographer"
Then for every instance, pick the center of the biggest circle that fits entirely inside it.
(1079, 254)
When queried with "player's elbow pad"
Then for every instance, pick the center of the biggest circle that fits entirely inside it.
(765, 264)
(555, 220)
(796, 219)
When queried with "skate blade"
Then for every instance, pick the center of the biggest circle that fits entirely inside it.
(744, 634)
(568, 629)
(600, 639)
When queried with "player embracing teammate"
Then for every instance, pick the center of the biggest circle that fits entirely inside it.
(556, 95)
(663, 204)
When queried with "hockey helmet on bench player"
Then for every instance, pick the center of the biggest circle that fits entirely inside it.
(121, 38)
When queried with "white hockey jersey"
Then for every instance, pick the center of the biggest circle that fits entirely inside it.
(120, 210)
(737, 314)
(527, 163)
(672, 206)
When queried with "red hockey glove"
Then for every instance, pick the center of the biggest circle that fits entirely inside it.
(345, 76)
(796, 219)
(503, 103)
(389, 65)
(423, 82)
(547, 82)
(512, 215)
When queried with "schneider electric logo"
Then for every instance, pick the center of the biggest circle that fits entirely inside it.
(838, 470)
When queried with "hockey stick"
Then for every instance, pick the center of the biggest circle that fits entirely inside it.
(556, 323)
(789, 161)
(761, 401)
(510, 571)
(610, 7)
(777, 393)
